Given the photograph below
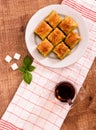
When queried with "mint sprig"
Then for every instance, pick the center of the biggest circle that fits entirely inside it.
(26, 69)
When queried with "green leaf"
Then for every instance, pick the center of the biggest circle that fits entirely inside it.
(31, 68)
(26, 68)
(22, 69)
(27, 77)
(27, 61)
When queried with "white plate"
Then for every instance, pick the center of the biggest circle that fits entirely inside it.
(32, 40)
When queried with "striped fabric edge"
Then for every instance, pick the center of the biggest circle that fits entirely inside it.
(88, 13)
(5, 125)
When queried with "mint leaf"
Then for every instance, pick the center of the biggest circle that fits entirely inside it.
(22, 69)
(27, 77)
(27, 61)
(26, 68)
(31, 68)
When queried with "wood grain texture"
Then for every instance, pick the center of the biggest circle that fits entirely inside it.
(14, 15)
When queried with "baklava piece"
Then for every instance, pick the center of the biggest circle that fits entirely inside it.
(45, 47)
(72, 39)
(61, 50)
(56, 36)
(67, 25)
(42, 30)
(53, 19)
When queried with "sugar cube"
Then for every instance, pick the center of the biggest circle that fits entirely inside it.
(17, 56)
(14, 66)
(8, 58)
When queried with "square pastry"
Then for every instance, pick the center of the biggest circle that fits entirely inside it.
(45, 47)
(61, 50)
(56, 36)
(72, 39)
(53, 19)
(67, 25)
(42, 30)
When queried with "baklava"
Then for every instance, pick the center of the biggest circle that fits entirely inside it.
(56, 36)
(67, 25)
(45, 47)
(53, 19)
(72, 39)
(61, 50)
(42, 30)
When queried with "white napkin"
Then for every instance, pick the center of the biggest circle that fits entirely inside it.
(34, 106)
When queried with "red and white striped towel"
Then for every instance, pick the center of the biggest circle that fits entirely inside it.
(34, 106)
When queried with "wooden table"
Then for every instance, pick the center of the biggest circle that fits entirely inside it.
(14, 15)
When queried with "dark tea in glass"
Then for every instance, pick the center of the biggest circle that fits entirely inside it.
(65, 92)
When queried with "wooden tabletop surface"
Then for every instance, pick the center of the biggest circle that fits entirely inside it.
(14, 15)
